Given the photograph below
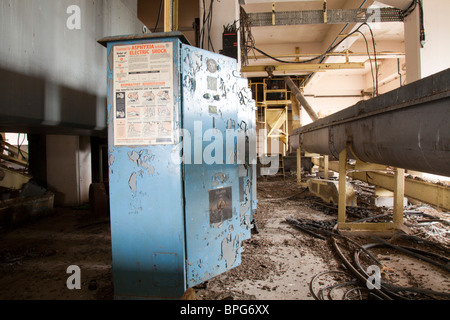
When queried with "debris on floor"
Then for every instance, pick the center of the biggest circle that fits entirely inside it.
(297, 254)
(22, 198)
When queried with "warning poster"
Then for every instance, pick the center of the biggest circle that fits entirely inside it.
(144, 110)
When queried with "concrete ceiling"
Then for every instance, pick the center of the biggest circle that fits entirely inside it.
(307, 39)
(315, 39)
(291, 34)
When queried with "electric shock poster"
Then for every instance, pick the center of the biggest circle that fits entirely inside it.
(143, 94)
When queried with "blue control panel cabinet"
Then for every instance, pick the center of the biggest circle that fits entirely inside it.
(182, 175)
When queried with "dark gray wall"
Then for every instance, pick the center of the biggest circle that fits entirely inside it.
(52, 78)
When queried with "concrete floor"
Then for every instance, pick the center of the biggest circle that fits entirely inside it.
(278, 263)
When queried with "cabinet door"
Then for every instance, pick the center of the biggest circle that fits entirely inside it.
(215, 223)
(145, 185)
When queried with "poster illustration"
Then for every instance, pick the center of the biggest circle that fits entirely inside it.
(144, 110)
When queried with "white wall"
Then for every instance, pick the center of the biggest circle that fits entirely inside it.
(332, 91)
(13, 138)
(69, 169)
(37, 44)
(433, 57)
(224, 12)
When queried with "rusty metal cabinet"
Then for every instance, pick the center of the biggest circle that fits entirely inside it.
(182, 158)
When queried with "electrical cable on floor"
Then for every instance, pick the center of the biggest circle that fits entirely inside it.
(331, 234)
(392, 289)
(419, 254)
(355, 272)
(284, 198)
(311, 283)
(338, 286)
(387, 291)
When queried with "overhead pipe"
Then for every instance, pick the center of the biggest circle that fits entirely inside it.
(405, 128)
(301, 99)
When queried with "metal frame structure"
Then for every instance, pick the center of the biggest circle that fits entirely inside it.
(434, 194)
(272, 115)
(370, 130)
(328, 16)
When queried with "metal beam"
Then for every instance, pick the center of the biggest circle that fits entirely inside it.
(305, 67)
(170, 15)
(404, 128)
(384, 54)
(434, 194)
(12, 179)
(336, 16)
(278, 123)
(301, 99)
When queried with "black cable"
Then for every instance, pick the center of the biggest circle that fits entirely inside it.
(370, 60)
(375, 54)
(311, 283)
(313, 58)
(421, 255)
(19, 146)
(332, 234)
(206, 26)
(345, 27)
(209, 25)
(340, 285)
(159, 15)
(393, 290)
(356, 272)
(410, 9)
(422, 24)
(202, 32)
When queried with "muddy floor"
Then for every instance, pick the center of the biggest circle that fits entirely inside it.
(282, 261)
